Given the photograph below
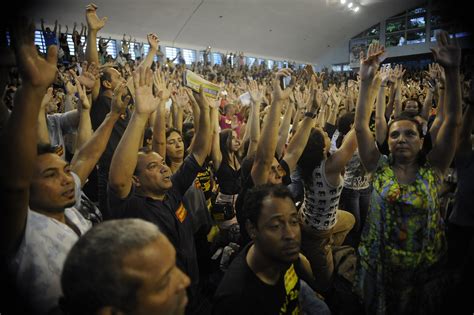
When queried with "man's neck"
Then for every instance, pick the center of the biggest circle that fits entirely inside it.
(152, 195)
(264, 268)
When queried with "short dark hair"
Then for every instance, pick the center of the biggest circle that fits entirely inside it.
(407, 116)
(43, 148)
(254, 198)
(143, 150)
(93, 277)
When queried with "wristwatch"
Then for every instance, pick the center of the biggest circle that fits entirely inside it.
(310, 114)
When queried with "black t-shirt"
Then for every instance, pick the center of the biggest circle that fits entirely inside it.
(99, 110)
(170, 216)
(242, 292)
(247, 184)
(228, 179)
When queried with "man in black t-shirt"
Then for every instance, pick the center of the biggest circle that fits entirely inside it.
(142, 186)
(265, 277)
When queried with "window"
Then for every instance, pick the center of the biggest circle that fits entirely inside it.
(336, 68)
(435, 20)
(280, 64)
(189, 55)
(417, 11)
(70, 43)
(346, 67)
(250, 61)
(131, 51)
(416, 37)
(270, 64)
(39, 40)
(395, 39)
(260, 61)
(416, 22)
(171, 53)
(217, 58)
(395, 25)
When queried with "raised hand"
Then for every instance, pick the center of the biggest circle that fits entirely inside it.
(119, 105)
(47, 98)
(153, 40)
(369, 65)
(34, 70)
(385, 75)
(81, 90)
(278, 93)
(146, 103)
(90, 74)
(160, 84)
(256, 93)
(398, 73)
(200, 98)
(93, 21)
(447, 53)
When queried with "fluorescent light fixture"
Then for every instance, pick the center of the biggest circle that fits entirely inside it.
(343, 1)
(350, 5)
(356, 9)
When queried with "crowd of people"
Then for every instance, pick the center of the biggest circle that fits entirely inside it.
(126, 192)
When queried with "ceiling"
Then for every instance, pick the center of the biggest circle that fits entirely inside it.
(299, 30)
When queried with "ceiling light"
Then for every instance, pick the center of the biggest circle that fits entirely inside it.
(350, 5)
(343, 1)
(356, 9)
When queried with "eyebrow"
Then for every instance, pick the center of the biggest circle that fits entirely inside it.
(54, 169)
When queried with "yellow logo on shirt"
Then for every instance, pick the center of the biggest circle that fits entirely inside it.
(181, 213)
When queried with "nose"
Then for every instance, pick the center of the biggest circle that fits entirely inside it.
(66, 179)
(289, 232)
(184, 280)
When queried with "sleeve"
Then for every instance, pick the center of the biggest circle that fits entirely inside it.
(77, 189)
(186, 174)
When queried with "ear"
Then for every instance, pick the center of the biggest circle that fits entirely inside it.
(107, 84)
(251, 229)
(136, 181)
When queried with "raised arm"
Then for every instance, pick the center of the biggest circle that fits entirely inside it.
(300, 139)
(86, 156)
(19, 135)
(180, 100)
(94, 24)
(284, 129)
(42, 127)
(125, 157)
(368, 66)
(380, 120)
(268, 139)
(159, 127)
(153, 41)
(428, 101)
(201, 145)
(448, 54)
(253, 126)
(216, 153)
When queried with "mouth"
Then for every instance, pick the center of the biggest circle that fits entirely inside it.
(69, 193)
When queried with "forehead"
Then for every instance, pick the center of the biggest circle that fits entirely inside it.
(274, 207)
(147, 158)
(174, 135)
(113, 72)
(403, 125)
(49, 160)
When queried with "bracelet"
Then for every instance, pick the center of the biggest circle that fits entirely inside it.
(310, 114)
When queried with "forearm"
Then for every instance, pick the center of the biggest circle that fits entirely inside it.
(92, 56)
(283, 131)
(425, 111)
(216, 154)
(43, 134)
(87, 155)
(68, 103)
(125, 157)
(178, 119)
(200, 148)
(298, 143)
(84, 131)
(149, 58)
(159, 131)
(17, 164)
(254, 130)
(380, 121)
(398, 101)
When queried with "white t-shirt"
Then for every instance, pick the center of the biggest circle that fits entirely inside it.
(39, 260)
